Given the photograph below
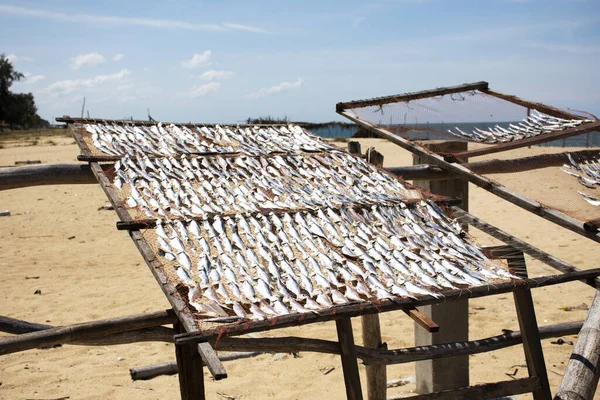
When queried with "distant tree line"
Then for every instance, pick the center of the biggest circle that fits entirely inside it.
(17, 110)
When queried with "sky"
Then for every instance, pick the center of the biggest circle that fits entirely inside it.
(226, 61)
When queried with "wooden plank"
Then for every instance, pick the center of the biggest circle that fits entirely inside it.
(84, 331)
(77, 134)
(110, 192)
(349, 360)
(501, 191)
(532, 345)
(376, 374)
(484, 391)
(211, 360)
(378, 101)
(422, 320)
(49, 174)
(364, 308)
(583, 370)
(530, 141)
(74, 120)
(518, 244)
(189, 365)
(548, 110)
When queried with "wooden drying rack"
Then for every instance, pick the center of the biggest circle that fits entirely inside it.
(456, 162)
(195, 349)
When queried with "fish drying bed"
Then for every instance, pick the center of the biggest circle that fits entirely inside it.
(242, 225)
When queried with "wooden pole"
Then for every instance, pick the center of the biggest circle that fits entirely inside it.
(86, 331)
(354, 148)
(486, 391)
(189, 365)
(532, 345)
(170, 368)
(349, 360)
(453, 318)
(51, 174)
(583, 370)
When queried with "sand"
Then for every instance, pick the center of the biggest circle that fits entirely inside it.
(57, 242)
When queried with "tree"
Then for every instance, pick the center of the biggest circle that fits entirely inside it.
(16, 109)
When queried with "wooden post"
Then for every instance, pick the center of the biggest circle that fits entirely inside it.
(376, 374)
(189, 365)
(349, 360)
(371, 328)
(453, 318)
(530, 333)
(354, 148)
(581, 377)
(374, 157)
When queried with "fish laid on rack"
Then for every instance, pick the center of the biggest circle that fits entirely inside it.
(263, 265)
(587, 174)
(194, 187)
(533, 125)
(170, 140)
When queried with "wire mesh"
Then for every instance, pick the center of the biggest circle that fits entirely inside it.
(493, 128)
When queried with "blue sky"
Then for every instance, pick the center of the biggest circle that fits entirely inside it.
(226, 61)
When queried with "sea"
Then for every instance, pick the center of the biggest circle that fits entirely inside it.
(434, 132)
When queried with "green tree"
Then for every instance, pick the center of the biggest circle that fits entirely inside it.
(16, 109)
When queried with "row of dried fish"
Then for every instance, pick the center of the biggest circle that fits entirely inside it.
(200, 186)
(169, 140)
(264, 265)
(587, 174)
(533, 125)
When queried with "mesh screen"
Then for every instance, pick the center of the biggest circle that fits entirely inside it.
(474, 120)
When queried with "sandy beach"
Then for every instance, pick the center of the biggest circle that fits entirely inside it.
(56, 241)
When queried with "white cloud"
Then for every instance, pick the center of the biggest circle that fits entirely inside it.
(197, 60)
(282, 87)
(129, 21)
(213, 75)
(118, 56)
(201, 90)
(61, 88)
(30, 79)
(14, 58)
(91, 59)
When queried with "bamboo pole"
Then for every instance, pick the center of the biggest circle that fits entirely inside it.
(583, 370)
